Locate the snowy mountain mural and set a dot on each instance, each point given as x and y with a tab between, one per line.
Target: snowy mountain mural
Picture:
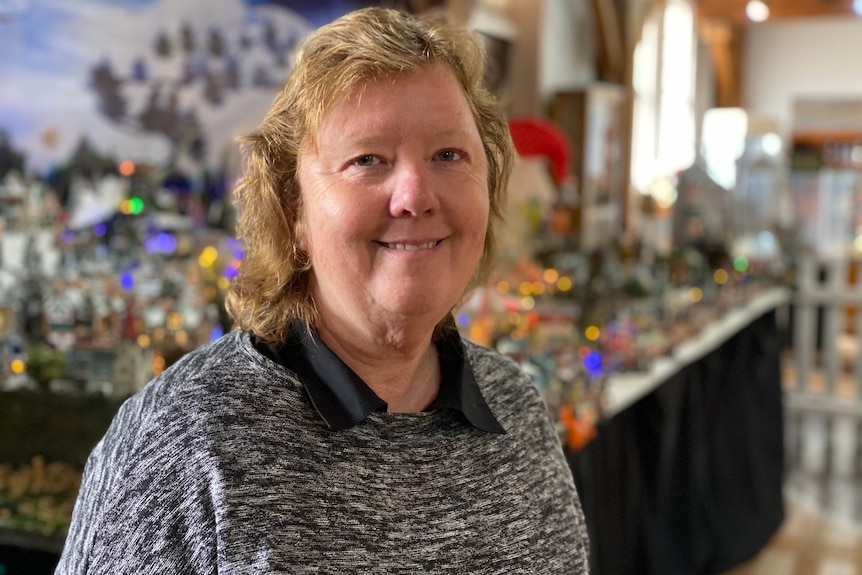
154	81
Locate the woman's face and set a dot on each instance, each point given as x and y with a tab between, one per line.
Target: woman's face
395	200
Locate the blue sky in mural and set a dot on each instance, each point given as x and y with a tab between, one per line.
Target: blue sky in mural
49	49
317	12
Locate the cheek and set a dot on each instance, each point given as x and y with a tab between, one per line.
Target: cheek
479	212
482	226
479	202
332	227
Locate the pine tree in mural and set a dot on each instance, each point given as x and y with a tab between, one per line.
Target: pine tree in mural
186	69
84	162
10	159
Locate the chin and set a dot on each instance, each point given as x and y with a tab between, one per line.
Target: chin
419	307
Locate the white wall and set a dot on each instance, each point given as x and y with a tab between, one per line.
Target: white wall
567	51
786	60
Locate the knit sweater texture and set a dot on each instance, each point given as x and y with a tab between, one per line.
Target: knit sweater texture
221	465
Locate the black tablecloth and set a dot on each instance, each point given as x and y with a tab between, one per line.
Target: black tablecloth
688	479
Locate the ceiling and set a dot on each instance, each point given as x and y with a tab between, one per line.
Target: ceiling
733	11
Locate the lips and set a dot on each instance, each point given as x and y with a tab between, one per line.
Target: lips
411	247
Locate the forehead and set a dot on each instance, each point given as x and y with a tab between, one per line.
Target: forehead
430	93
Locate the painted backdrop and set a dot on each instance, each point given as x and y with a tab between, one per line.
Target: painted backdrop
155	81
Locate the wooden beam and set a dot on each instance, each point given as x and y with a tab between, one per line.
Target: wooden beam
611	44
733	11
725	42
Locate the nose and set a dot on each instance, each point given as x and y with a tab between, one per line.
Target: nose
414	194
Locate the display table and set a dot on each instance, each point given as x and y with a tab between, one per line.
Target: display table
685	475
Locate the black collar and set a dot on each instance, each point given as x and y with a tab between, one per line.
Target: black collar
343	400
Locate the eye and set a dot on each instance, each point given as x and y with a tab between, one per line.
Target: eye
366	160
450	155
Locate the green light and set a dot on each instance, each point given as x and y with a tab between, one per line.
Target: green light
740	263
136	205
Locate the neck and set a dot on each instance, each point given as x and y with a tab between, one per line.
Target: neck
398	362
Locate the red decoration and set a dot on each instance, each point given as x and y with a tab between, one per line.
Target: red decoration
541	137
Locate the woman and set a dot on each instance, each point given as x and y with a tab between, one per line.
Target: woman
344	427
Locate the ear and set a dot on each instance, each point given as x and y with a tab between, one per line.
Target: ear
301	245
299	234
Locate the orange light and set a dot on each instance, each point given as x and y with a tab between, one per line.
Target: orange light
551	276
127	168
158	364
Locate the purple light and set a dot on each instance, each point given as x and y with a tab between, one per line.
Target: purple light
235	246
99	230
161	243
229	272
216	332
127	281
593	361
166	243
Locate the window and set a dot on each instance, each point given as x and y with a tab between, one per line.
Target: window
663	126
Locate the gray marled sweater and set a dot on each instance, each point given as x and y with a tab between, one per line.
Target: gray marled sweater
220	465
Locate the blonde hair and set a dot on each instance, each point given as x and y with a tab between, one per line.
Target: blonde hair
273	284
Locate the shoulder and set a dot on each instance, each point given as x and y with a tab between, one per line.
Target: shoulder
487	359
170	401
193	396
494	371
507	388
223	366
154	465
229	357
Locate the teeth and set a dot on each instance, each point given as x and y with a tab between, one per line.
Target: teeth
411	247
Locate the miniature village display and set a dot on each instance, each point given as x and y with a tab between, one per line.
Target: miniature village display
110	271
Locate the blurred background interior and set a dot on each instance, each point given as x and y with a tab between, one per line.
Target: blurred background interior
679	273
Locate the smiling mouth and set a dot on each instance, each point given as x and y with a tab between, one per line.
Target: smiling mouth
412	247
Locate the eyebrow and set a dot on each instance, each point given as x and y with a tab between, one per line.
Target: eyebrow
374	138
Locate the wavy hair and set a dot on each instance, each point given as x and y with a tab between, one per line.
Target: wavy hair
273	284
